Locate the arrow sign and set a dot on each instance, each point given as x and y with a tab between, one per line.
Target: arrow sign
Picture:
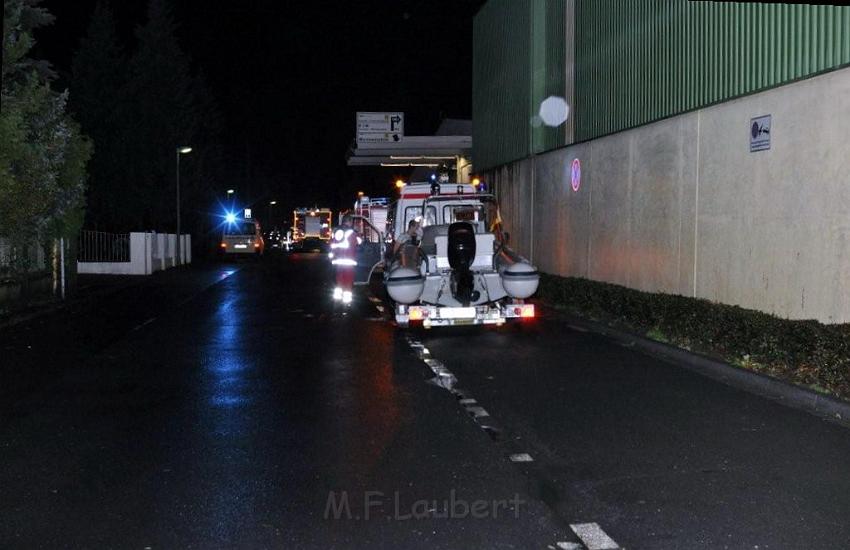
373	127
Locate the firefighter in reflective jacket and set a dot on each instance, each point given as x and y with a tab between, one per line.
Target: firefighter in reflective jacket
344	259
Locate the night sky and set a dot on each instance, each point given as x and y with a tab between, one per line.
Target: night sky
290	76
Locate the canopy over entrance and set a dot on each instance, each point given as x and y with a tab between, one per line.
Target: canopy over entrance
452	146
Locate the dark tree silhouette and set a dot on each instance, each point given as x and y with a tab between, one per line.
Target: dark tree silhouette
139	109
98	76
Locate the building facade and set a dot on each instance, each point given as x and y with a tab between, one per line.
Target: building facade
712	142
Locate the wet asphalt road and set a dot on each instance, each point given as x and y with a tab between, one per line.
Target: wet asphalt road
233	406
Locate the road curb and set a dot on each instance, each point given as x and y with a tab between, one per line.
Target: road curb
757	383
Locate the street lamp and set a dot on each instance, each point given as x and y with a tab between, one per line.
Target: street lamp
271	203
230	192
180	151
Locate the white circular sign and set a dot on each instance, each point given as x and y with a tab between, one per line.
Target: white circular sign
554	111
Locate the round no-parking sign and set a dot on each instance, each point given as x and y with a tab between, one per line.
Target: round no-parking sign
575	174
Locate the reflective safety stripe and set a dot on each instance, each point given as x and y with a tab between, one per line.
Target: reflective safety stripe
344	261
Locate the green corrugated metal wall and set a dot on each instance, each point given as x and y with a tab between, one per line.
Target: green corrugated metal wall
500	82
636	61
549	73
518	54
641	60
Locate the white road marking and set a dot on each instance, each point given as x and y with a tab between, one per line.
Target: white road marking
477	412
521	457
149	321
593	536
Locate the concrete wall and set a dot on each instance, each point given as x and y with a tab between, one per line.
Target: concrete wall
681	205
149	252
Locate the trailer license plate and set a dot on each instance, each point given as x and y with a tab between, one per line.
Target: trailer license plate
240	246
457	313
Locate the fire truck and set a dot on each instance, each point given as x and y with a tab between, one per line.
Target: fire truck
375	211
311	228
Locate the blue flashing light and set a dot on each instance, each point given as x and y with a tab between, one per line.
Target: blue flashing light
230	217
433	177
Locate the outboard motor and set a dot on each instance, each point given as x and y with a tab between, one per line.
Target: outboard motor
461	252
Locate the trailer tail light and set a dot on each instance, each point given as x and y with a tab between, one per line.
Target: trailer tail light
256	245
224	245
525	311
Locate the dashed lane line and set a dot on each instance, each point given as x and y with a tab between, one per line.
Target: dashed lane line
593	537
139	326
185	301
591	534
446	379
521	457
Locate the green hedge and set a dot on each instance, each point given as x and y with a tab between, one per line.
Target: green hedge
808	353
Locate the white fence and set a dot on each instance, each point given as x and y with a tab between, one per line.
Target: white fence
148	252
97	246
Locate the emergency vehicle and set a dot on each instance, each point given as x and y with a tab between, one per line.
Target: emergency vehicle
241	235
374	212
311	228
461	270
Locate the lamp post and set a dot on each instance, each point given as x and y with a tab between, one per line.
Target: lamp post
180	151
